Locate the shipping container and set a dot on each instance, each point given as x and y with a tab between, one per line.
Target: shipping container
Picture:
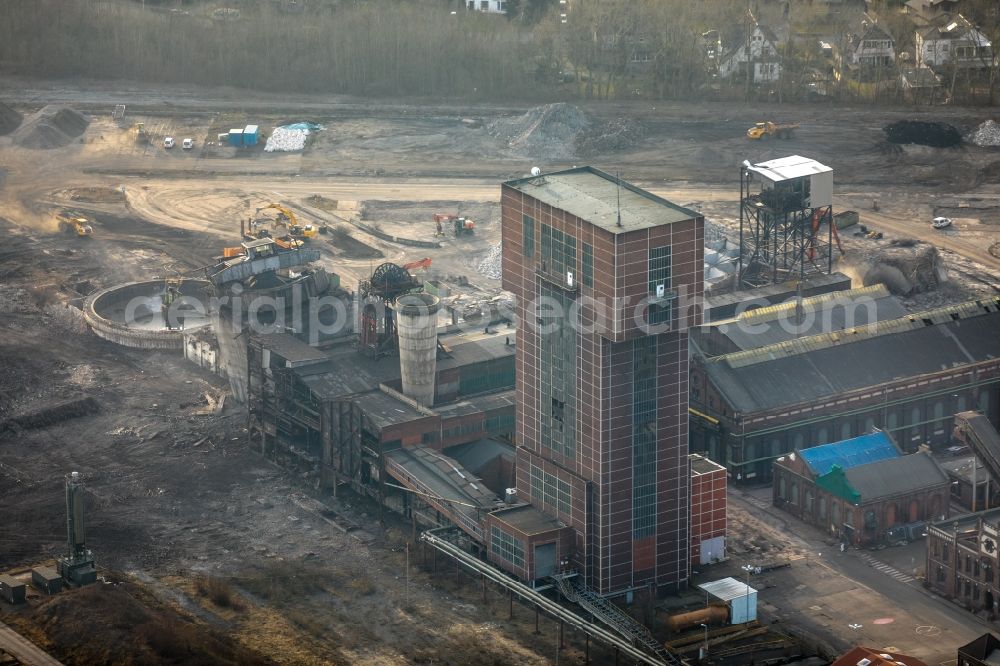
251	134
236	137
847	218
46	579
12	590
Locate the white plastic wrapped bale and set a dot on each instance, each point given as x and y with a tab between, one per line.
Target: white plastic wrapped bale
283	139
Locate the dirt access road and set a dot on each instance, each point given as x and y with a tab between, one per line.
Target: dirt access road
406	151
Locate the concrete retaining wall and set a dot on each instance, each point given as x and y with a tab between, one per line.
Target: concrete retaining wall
120	333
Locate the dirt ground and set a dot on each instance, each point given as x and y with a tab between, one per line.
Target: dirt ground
175	494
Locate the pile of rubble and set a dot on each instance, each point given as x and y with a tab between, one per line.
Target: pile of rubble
9	119
490	266
544	132
987	134
53	126
617	134
934	134
907	267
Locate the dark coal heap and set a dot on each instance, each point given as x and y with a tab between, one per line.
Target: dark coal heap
937	135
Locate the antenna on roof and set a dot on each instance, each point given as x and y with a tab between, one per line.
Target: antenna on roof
618	182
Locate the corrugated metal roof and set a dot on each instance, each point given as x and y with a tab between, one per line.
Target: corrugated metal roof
787	168
849	453
598	198
905	474
786	380
837	311
727	589
911	322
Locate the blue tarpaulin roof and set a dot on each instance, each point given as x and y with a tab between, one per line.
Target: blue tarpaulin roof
312	127
850	453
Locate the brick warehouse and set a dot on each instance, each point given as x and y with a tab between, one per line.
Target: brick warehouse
603	406
861	490
963	560
905	375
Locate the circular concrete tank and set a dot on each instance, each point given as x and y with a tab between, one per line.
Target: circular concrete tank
132	315
416	322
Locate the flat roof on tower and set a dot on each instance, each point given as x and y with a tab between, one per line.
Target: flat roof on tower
787	168
598	197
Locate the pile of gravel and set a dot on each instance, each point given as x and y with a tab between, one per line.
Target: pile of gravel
934	134
52	127
617	134
9	119
544	132
987	134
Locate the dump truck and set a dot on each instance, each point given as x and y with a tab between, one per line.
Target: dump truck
768	129
72	222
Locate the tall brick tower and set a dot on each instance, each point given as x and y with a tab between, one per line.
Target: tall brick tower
608	279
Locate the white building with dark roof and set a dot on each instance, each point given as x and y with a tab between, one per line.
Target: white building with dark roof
953	41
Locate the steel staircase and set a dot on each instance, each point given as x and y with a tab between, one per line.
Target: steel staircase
603	610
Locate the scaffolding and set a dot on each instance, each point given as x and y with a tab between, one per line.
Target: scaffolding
784	205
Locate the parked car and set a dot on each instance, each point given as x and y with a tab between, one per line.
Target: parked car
941	222
168	142
187	144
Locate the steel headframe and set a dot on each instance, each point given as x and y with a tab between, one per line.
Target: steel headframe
779	239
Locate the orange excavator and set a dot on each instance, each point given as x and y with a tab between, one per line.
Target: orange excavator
421	263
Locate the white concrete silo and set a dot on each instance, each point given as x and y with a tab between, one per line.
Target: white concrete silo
416	323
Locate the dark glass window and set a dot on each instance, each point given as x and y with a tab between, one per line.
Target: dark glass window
644	437
528	235
588	265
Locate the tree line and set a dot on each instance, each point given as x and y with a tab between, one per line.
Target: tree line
436	48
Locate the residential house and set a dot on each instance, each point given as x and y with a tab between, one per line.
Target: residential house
952	41
924	12
755	51
871	46
862	489
491	6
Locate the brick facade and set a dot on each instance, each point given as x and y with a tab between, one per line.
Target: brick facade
581	432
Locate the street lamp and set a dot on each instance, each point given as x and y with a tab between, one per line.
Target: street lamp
704	652
748	568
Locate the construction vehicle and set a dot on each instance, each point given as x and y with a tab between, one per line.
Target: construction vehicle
767	130
464	225
141	135
286	218
74	222
420	263
460	225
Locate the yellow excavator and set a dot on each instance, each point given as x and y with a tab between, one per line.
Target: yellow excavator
767	129
73	222
286	218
